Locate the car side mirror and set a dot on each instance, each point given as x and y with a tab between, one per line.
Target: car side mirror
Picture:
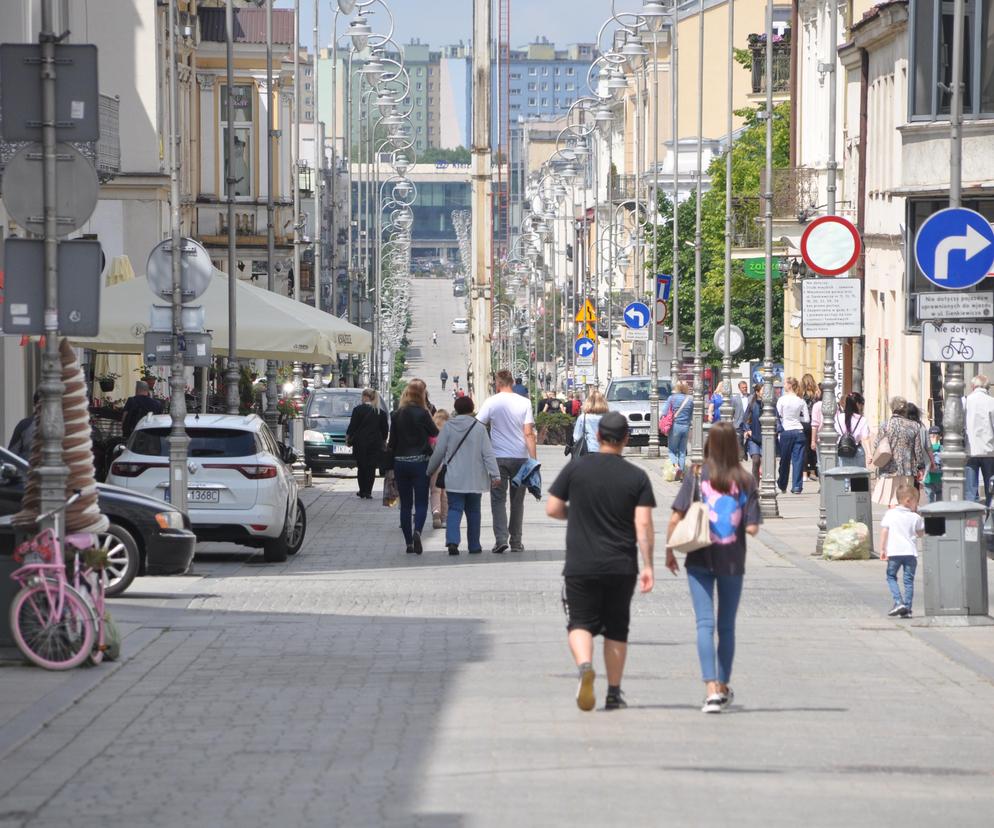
8	472
118	449
289	455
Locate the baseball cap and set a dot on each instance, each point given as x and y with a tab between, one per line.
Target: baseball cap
935	430
613	426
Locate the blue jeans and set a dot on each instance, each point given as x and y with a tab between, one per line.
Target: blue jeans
792	453
412	486
977	469
715	666
468	502
910	564
677	444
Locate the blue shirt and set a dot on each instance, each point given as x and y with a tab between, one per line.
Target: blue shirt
587	424
673	404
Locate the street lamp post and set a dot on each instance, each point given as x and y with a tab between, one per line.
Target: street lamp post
272	391
767	486
726	356
231	374
697	427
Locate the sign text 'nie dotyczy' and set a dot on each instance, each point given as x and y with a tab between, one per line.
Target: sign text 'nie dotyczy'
958	341
831	308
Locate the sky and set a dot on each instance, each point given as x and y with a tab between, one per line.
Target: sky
440	22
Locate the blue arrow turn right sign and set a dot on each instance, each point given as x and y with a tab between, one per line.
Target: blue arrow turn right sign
954	248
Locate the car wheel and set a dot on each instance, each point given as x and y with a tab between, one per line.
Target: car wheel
275	550
123	558
296	536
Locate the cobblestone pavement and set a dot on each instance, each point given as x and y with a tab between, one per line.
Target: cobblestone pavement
359	686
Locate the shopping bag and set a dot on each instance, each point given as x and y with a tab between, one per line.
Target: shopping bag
390	493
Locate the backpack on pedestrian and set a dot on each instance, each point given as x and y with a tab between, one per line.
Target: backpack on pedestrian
847	446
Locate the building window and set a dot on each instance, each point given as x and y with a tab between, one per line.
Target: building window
531	102
307	87
545	70
417	101
545	101
431	100
241	166
532	87
515	107
532	70
569	70
515	90
419	86
515	76
420	70
931	59
557	70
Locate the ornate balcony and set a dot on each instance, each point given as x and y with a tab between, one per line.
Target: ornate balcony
781	63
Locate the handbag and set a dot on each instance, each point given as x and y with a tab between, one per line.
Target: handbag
580	447
440	477
693	532
666	421
882	454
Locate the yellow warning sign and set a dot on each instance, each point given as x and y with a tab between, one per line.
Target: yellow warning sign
587	313
589	332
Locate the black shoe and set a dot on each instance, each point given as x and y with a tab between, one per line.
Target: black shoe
896	610
500	548
517	548
410	549
615	701
453	549
418	548
905	612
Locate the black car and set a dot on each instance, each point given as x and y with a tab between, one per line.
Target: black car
326	419
147	536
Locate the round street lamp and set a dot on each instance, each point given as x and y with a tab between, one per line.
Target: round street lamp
633	49
359	31
654	14
346	7
617	84
400	163
603	118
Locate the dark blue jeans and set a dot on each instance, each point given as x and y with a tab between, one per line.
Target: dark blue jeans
715	666
468	502
412	486
792	452
910	564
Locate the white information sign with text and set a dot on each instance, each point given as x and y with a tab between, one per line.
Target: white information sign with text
831	308
956	305
958	341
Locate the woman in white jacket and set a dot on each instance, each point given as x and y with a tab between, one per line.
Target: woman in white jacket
470	471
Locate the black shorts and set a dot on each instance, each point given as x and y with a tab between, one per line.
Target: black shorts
600	604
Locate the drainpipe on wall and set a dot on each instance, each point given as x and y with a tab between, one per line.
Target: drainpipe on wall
858	344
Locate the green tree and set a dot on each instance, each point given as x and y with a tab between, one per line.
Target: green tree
748	306
433	155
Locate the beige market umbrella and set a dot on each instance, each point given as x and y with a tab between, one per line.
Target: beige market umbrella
126	367
270	326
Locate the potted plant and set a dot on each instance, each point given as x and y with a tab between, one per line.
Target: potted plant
146	375
107	381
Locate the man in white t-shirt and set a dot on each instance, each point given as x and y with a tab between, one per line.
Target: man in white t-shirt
512	432
899	532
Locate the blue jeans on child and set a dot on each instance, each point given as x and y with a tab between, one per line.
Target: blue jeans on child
468	502
910	564
715	666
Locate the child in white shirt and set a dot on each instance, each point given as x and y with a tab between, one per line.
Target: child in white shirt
899	533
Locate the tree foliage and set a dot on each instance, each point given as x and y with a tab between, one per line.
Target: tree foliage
748	296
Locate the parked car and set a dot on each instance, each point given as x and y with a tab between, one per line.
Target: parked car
240	488
630	396
460	325
326	419
147	536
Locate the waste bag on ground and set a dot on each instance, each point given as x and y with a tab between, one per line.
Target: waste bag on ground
848	542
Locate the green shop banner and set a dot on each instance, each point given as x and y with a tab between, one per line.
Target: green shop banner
756	268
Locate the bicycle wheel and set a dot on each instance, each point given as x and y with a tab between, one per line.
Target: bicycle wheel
967	352
53	642
947	352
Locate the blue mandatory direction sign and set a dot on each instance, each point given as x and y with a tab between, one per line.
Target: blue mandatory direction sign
584	346
954	248
637	315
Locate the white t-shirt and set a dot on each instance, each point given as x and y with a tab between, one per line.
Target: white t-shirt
507	414
902	527
793	412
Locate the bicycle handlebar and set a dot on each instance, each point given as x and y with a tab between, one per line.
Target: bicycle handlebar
76	495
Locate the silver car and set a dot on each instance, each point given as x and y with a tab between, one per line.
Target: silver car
630	396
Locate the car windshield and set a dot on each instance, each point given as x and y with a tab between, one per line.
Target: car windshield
204	442
333	405
628	390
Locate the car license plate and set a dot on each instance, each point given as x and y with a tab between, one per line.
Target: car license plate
342	449
203	496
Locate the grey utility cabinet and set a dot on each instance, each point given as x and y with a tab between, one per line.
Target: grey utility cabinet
955	561
847	497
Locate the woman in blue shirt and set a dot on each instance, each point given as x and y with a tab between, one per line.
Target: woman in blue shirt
594	407
682	406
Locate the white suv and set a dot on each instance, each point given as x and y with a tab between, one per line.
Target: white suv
240	488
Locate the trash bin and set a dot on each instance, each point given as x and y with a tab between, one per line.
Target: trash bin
8	588
955	561
847	497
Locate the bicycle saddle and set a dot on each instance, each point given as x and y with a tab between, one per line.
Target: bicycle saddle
81	541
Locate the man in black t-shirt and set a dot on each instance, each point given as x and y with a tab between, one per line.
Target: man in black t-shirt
608	519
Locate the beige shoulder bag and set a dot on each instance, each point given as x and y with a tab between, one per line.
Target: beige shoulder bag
693	532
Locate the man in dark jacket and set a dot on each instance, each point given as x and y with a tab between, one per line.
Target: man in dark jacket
137	407
24	433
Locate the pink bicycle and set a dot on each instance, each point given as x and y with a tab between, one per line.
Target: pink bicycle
56	623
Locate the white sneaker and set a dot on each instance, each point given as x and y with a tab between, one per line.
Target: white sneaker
712	704
727	699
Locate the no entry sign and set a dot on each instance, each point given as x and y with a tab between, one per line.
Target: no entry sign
830	245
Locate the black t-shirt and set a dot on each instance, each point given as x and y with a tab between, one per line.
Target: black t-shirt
602	491
729	514
135	410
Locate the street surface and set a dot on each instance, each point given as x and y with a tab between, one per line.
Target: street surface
359	686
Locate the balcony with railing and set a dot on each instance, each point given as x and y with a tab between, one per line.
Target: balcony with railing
104	153
795	192
622	188
747	227
781	65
